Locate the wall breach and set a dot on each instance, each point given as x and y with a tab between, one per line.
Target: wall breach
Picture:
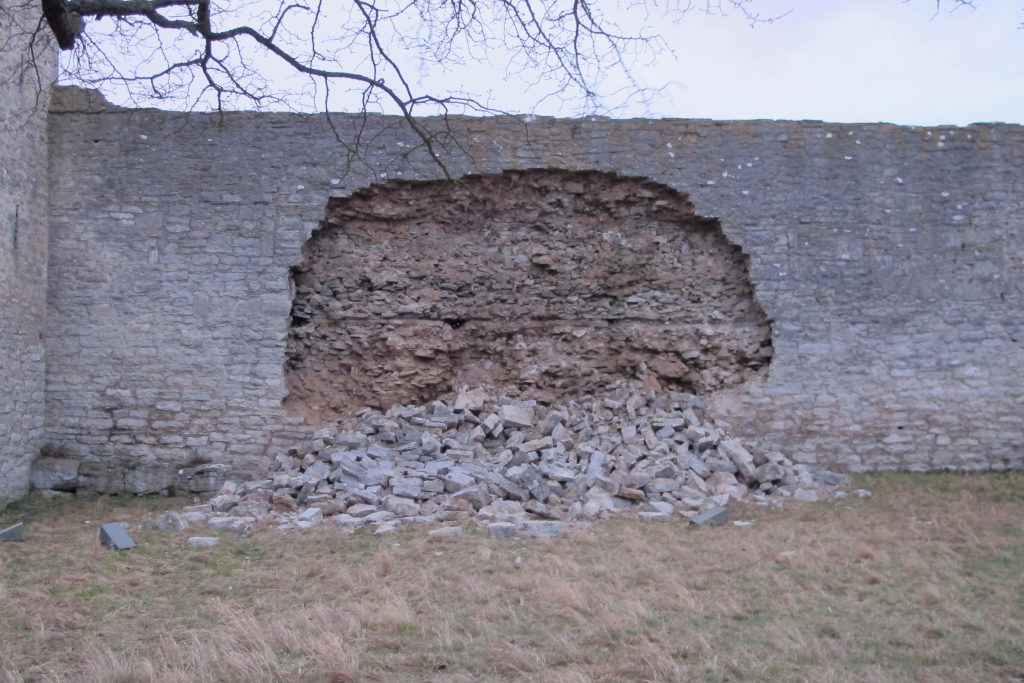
547	283
889	260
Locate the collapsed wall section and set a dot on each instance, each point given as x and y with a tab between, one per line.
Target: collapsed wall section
889	259
23	253
544	282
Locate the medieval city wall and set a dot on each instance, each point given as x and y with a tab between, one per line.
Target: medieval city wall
888	261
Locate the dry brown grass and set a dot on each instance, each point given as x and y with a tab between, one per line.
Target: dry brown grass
923	582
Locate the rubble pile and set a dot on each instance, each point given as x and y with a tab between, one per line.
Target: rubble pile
514	465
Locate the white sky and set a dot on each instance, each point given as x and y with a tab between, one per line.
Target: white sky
896	61
859	60
845	60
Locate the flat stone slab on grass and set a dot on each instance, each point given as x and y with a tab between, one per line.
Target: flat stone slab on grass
202	541
15	532
545	528
716	516
113	535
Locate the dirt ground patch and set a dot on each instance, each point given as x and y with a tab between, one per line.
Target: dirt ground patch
922	582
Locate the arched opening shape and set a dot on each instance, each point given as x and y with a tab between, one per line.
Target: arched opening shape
541	283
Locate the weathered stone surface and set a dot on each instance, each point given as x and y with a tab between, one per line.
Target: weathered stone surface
114	536
516	416
202	541
213	237
805	496
496	479
501	530
445	533
654	516
59	474
311	516
24	216
403	507
172	521
545	528
769	472
15	532
714	516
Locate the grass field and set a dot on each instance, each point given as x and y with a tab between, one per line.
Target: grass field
922	582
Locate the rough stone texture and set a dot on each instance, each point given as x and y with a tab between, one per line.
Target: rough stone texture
889	260
23	241
548	282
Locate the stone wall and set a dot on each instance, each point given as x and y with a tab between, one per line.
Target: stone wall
888	259
23	236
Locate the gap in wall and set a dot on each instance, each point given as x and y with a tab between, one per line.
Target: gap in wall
544	283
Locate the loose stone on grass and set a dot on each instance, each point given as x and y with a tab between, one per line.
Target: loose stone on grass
515	466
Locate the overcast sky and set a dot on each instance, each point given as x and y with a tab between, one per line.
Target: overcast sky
898	61
862	60
845	60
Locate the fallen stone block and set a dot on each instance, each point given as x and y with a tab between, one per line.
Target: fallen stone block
543	528
171	521
445	533
402	507
15	532
654	517
202	541
517	416
113	535
311	516
501	530
715	516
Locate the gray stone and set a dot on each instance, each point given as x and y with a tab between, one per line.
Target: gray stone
501	530
172	521
457	479
407	487
545	528
714	516
661	485
114	536
596	463
15	532
220	523
224	503
471	400
361	510
346	520
533	480
503	511
536	444
318	471
205	478
654	517
312	516
805	496
402	507
769	472
477	496
658	506
445	533
60	474
517	416
202	541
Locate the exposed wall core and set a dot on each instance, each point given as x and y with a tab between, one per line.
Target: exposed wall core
547	282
